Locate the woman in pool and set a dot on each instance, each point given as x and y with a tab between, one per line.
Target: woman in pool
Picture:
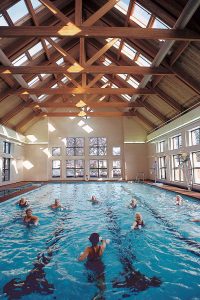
133	203
94	200
29	219
22	202
179	200
56	204
138	223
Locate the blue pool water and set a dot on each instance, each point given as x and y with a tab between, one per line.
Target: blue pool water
160	261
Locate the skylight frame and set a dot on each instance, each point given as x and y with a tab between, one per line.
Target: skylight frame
22	10
136	16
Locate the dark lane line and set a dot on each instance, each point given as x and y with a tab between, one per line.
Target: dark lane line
36	281
169	226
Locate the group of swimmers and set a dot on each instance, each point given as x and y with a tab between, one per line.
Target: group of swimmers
29	219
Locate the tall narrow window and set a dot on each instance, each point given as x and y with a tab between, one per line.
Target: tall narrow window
196	166
195	136
75	146
98	168
75	168
98	146
6	147
56	171
6	169
176	142
160	146
117	172
177	171
116	151
162	167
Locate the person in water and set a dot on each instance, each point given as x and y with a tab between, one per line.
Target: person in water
94	263
29	219
56	204
23	202
179	200
138	223
133	203
195	220
94	200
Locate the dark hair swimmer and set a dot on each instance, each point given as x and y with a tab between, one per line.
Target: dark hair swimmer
94	252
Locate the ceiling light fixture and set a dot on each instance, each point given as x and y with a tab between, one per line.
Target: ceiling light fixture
80	104
81	114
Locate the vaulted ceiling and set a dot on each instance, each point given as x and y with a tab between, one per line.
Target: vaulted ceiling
139	59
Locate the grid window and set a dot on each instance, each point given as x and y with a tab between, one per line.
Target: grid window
6	169
176	142
75	168
56	171
98	168
117	171
195	136
177	171
160	146
98	146
6	147
116	151
56	151
140	15
196	166
75	146
162	167
17	11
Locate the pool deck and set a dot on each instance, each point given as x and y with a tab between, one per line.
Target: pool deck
175	189
12	186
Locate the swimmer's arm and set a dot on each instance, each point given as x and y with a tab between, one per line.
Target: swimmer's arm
103	246
84	255
134	225
35	220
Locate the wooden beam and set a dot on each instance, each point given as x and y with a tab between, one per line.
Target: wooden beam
91	114
144	120
153	110
26	120
88	91
170	101
78	12
177	53
92	104
187	79
13	112
111	69
99	31
100	12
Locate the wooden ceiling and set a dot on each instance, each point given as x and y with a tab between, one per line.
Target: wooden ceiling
94	52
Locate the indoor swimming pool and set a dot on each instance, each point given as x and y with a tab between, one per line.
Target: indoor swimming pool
159	261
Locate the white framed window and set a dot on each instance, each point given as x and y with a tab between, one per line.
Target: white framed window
20	60
143	61
177	171
35	49
140	15
122	6
162	167
56	151
75	146
128	51
18	11
98	146
196	167
56	168
98	168
116	150
160	146
195	137
116	171
75	168
176	142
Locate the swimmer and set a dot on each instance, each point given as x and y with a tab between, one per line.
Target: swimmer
133	203
94	200
179	200
29	219
22	202
94	252
138	223
195	220
56	204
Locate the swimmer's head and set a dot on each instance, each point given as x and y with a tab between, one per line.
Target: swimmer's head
93	197
94	238
57	201
138	216
22	200
29	211
178	199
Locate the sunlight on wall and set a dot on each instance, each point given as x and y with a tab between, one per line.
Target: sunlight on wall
51	128
32	138
5	131
47	152
14	163
28	165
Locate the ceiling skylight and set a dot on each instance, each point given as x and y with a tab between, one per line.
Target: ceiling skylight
3	21
128	51
127	97
122	5
54	86
107	61
140	15
33	81
36	3
143	61
133	82
116	44
35	49
104	79
64	79
60	61
42	97
20	60
159	24
17	11
123	76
